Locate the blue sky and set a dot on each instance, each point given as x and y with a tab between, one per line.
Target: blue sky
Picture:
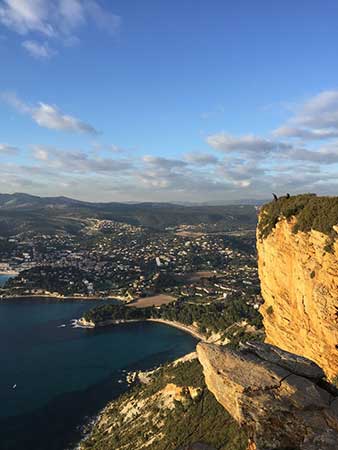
168	101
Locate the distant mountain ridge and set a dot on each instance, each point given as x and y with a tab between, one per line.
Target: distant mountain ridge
20	199
22	212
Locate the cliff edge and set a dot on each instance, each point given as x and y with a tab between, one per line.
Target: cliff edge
280	399
298	269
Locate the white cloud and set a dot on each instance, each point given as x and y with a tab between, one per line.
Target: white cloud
75	161
41	153
58	20
250	167
315	119
200	159
241	173
161	163
306	134
116	149
320	111
39	51
248	144
24	16
49	116
325	155
6	149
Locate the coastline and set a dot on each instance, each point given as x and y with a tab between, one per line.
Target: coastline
190	330
9	273
180	326
55	297
137	377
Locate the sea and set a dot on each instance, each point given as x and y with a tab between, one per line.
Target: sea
54	378
4	278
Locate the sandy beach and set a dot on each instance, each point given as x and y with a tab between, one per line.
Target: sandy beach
180	326
9	273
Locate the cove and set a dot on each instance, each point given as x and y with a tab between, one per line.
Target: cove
54	378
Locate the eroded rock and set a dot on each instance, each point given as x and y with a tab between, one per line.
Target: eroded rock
278	397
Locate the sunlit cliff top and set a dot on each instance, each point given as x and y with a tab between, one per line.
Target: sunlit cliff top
312	213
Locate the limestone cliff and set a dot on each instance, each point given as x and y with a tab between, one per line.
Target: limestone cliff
299	282
280	399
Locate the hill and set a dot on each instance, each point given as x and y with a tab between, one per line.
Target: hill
27	213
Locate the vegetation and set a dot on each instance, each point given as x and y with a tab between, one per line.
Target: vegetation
66	281
168	426
335	381
269	310
28	213
311	212
117	312
215	317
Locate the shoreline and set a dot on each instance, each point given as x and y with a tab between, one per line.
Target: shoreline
55	297
9	273
180	326
94	420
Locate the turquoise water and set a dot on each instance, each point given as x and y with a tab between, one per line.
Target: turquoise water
3	279
63	375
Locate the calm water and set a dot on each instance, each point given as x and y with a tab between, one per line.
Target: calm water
64	375
3	279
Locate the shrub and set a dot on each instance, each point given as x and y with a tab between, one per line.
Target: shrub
311	212
335	381
269	310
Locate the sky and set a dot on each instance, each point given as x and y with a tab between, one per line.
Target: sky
199	101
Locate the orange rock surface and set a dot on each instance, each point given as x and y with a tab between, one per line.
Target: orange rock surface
299	282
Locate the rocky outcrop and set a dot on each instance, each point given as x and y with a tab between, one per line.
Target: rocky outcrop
173	410
279	398
299	283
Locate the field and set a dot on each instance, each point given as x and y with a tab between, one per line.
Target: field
155	300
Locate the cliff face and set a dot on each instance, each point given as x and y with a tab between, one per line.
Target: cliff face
279	398
299	282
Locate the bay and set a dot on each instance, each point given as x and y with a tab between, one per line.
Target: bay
4	278
54	378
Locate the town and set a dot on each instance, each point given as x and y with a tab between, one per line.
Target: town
110	259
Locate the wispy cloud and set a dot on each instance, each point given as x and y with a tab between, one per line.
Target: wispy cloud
160	163
6	149
39	50
230	166
76	161
48	116
59	20
200	159
315	119
248	144
305	134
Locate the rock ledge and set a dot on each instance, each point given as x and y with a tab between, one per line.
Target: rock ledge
281	399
